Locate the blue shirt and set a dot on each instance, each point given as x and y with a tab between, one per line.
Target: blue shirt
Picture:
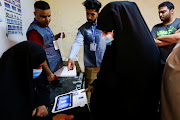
85	34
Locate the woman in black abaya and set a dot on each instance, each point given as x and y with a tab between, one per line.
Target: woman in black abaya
18	88
16	75
128	84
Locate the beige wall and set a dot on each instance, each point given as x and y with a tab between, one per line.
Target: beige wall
69	15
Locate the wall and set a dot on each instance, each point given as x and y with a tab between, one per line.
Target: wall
149	10
69	15
27	17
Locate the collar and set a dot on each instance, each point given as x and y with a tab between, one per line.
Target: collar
170	22
92	25
35	21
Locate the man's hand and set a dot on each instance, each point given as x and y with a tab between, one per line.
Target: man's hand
63	117
178	31
52	77
90	88
70	64
59	34
173	38
41	111
160	43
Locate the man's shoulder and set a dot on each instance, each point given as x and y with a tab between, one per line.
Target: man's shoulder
178	20
158	25
84	26
33	26
37	27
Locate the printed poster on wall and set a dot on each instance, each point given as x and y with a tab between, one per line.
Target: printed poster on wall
13	18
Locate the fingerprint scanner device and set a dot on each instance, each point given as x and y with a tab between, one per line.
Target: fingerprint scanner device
70	100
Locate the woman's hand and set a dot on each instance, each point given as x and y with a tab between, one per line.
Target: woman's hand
90	88
42	111
63	117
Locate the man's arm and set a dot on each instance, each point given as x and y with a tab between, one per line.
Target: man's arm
165	40
33	35
75	49
58	35
50	75
173	38
161	43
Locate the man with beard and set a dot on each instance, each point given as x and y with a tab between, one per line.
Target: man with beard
94	46
167	33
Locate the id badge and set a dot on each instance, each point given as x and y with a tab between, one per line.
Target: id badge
56	46
93	46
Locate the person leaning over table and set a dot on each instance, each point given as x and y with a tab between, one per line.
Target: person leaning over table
21	65
94	46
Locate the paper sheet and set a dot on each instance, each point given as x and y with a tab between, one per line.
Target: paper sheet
63	72
56	46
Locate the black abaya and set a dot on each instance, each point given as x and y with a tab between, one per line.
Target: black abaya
16	76
128	84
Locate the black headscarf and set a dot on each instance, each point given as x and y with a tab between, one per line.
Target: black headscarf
16	76
128	82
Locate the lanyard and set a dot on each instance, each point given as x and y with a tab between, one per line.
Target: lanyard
50	32
93	32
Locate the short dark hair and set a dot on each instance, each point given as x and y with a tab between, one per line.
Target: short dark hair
168	4
41	5
92	4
